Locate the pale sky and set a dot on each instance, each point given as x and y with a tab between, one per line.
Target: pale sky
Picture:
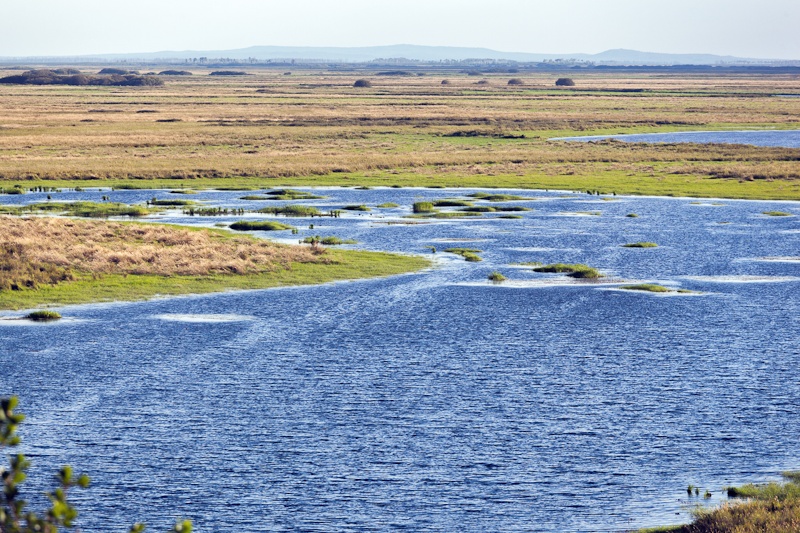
745	28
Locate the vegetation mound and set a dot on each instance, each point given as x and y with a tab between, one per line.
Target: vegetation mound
395	73
292	211
469	254
43	316
565	82
776	214
423	207
645	287
261	225
362	83
119	71
327	241
496	197
640	245
174	73
283	194
516	81
497	277
580	271
51	77
80	209
356	208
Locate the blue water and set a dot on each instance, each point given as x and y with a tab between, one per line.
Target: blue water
434	401
781	138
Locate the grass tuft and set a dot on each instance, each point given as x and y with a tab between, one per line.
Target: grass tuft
640	245
262	225
578	270
43	316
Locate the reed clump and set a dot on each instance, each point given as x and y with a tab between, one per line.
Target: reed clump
576	270
43	316
643	244
260	225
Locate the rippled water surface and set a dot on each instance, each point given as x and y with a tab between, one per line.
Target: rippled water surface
784	138
437	400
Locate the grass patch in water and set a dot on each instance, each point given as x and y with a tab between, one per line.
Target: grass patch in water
292	211
387	205
576	270
469	254
452	203
777	214
646	287
356	208
261	225
640	245
497	277
171	203
43	316
81	209
510	216
631	215
423	207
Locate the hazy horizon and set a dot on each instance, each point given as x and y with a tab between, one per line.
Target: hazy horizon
84	27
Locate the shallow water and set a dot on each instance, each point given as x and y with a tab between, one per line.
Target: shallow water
434	401
781	138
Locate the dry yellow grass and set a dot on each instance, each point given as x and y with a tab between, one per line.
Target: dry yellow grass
35	251
315	123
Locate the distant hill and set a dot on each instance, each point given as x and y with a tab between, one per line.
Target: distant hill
419	53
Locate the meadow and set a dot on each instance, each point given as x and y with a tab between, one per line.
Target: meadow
314	128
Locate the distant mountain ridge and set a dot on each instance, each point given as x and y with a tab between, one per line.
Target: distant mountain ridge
423	53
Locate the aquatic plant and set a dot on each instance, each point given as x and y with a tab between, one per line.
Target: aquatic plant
327	241
170	203
452	203
578	270
496	277
387	205
646	287
776	214
632	215
356	208
423	207
497	197
292	211
469	254
261	225
640	245
43	316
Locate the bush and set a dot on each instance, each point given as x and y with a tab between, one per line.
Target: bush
579	271
174	73
43	316
263	225
516	81
228	73
362	83
445	82
119	71
565	82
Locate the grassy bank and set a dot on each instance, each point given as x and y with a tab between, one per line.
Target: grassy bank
344	265
771	507
49	261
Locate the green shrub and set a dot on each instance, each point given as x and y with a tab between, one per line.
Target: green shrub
292	211
497	277
387	205
565	82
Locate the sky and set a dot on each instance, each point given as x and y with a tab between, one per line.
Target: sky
744	28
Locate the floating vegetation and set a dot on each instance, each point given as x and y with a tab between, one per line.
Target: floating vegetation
479	209
497	197
262	225
387	205
510	216
528	263
170	203
256	197
777	214
43	316
469	254
632	215
182	191
423	207
452	203
213	211
652	287
291	194
497	277
640	245
448	214
579	270
356	208
327	241
292	211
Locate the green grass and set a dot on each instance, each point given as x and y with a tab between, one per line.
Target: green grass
356	208
387	205
423	207
171	203
640	245
497	197
452	203
497	277
646	287
327	241
578	270
292	211
776	214
43	316
344	265
469	254
261	225
291	194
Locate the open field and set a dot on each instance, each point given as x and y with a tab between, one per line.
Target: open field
48	261
315	128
